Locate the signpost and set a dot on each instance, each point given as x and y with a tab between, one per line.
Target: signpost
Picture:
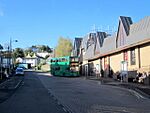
124	71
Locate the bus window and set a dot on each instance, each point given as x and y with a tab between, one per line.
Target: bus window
60	60
63	59
66	60
76	59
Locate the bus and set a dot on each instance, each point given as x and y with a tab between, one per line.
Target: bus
64	66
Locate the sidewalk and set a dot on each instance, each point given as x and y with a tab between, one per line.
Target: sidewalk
140	88
9	86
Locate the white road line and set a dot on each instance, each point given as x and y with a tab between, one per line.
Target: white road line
137	94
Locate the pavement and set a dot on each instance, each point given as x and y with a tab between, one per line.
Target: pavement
8	86
142	89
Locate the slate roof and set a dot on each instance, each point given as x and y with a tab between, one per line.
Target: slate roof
84	42
77	42
90	52
139	31
109	44
88	40
89	45
126	21
100	36
136	32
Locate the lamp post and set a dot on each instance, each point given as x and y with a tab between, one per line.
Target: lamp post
10	51
1	60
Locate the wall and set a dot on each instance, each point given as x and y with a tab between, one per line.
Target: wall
94	67
145	57
137	62
85	62
115	62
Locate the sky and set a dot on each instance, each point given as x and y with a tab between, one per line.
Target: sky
42	22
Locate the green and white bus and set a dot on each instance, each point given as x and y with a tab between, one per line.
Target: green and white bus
64	66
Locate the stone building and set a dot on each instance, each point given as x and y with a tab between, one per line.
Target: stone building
128	50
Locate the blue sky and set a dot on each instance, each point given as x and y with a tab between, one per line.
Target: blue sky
34	22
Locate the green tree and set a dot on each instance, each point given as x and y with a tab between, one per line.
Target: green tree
18	52
38	48
1	47
44	48
63	47
28	51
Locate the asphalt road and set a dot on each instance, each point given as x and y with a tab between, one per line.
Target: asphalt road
80	95
31	97
42	93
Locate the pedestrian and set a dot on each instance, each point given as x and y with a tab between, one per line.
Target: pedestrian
141	79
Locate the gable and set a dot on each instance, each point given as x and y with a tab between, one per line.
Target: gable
99	41
123	30
77	43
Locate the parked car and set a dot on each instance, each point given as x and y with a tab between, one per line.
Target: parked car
19	71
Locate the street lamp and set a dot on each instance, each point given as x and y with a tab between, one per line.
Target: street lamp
1	47
11	41
10	59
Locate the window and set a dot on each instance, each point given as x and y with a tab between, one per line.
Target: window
60	60
125	56
76	59
133	57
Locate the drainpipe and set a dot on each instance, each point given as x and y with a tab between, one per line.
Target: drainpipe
139	58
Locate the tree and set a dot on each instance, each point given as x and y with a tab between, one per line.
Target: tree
18	52
63	47
1	47
38	48
48	49
44	48
28	51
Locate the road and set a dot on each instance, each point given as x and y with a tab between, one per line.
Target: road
41	93
31	97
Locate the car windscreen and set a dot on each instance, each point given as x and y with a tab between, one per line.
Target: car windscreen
19	70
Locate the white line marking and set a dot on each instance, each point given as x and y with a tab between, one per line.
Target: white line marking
137	94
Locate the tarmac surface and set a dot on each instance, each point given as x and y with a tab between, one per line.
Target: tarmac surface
26	94
82	95
11	86
8	86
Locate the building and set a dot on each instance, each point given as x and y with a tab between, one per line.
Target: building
127	50
32	61
37	58
76	47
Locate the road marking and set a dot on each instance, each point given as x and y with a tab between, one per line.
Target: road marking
137	94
